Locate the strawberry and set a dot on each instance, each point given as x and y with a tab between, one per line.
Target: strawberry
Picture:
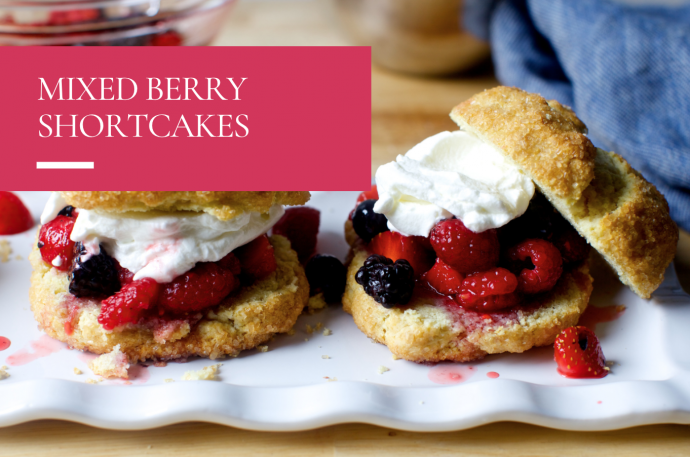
578	354
300	225
414	249
14	216
55	244
443	278
257	259
129	304
372	194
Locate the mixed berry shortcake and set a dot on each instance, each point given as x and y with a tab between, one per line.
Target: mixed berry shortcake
166	275
478	241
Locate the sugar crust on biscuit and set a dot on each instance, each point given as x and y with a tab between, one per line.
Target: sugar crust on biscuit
612	206
223	205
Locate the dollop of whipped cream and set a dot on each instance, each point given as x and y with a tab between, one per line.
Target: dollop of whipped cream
54	205
451	174
164	245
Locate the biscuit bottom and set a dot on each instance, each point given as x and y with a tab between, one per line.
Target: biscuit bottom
432	329
242	321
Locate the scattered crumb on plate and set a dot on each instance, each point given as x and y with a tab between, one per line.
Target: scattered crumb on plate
168	380
263	348
327	332
205	374
331	379
316	303
77	371
94	381
18	257
325	357
394	357
309	329
111	365
3	373
291	331
5	251
383	369
318	327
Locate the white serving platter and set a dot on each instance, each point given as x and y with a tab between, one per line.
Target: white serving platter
292	387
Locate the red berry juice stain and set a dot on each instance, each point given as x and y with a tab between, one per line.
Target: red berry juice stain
4	343
594	315
450	374
42	347
86	357
492	374
599	402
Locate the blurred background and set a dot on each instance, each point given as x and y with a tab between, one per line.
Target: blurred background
623	65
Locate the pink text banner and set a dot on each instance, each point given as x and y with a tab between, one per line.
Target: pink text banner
187	118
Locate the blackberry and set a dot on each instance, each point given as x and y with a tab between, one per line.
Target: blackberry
97	277
367	223
389	283
541	220
66	211
326	274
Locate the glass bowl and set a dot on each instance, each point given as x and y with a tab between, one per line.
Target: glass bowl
111	22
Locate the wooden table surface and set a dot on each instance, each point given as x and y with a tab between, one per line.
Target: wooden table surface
404	111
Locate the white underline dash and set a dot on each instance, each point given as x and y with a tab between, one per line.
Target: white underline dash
65	165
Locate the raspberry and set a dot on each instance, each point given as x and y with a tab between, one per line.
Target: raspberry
326	274
578	354
544	270
124	274
372	194
488	291
98	276
129	304
366	222
169	38
257	259
55	244
443	278
415	249
14	215
571	245
386	282
464	250
205	285
301	226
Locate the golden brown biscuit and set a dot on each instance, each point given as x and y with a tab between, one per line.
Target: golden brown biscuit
223	205
429	331
242	321
620	214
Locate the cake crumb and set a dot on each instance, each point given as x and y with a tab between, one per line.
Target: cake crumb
291	331
77	371
395	357
372	340
263	348
331	379
206	374
327	332
383	369
18	257
318	327
309	329
306	339
111	365
316	303
325	357
3	373
168	380
94	381
5	251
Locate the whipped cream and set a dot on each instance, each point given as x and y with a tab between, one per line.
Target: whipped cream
451	174
164	245
55	204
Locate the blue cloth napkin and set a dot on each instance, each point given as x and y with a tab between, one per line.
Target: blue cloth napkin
625	70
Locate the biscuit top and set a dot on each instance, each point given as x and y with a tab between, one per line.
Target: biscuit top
223	205
532	133
624	217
